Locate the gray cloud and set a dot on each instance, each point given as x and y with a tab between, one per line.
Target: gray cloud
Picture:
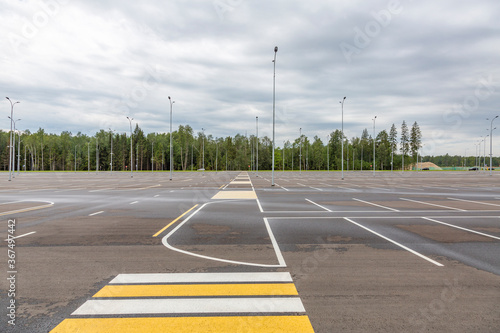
84	66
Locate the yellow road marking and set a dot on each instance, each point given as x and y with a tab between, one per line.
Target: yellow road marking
177	219
27	209
267	324
222	186
269	289
235	195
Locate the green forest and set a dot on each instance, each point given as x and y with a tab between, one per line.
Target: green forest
109	151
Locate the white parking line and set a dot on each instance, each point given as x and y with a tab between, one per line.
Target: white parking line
328	210
374	204
478	202
29	233
430	204
395	243
347	188
457	227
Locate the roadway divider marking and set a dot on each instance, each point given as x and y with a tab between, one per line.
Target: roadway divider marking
177	219
50	204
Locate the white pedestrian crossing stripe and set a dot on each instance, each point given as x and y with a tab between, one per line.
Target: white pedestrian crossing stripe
193	302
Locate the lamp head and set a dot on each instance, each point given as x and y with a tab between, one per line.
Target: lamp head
275	49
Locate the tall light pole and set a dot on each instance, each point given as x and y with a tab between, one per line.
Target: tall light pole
300	151
131	149
14	149
257	145
374	139
328	152
484	153
203	158
171	162
491	143
19	152
342	138
274	107
111	131
283	156
88	157
96	154
10	142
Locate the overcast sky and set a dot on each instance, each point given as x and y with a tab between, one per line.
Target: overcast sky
82	66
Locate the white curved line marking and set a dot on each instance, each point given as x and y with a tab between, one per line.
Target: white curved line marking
273	240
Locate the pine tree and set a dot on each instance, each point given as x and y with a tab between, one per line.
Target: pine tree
415	139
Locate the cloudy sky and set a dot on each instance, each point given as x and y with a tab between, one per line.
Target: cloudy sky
86	65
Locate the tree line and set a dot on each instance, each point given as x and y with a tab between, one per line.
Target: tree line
107	150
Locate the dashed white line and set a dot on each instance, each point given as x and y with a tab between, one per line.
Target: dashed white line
134	202
96	213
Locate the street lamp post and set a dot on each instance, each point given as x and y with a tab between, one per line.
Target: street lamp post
171	162
10	142
342	138
484	153
274	107
328	152
88	157
374	145
131	149
203	158
283	159
111	164
14	150
300	151
491	143
96	154
257	146
19	152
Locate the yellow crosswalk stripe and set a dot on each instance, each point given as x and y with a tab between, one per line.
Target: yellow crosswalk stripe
267	324
268	289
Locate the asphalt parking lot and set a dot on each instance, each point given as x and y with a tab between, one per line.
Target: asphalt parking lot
383	252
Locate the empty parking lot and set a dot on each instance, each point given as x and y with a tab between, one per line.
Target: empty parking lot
389	251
